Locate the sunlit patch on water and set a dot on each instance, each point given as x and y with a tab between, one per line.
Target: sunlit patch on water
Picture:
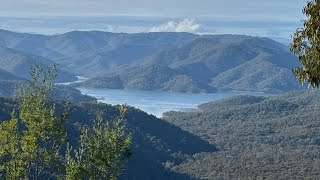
158	102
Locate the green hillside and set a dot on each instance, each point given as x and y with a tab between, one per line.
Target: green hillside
259	138
10	88
223	62
5	75
152	149
149	77
182	61
93	52
19	64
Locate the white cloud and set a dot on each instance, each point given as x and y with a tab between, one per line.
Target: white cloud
185	25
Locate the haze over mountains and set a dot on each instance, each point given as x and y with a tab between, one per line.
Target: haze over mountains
155	61
19	63
241	137
204	90
9	83
5	75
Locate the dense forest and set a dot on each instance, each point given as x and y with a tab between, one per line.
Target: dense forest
242	137
257	137
153	153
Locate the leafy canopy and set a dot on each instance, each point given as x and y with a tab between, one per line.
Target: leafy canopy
102	151
32	142
306	44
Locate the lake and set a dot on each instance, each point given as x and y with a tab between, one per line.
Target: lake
157	102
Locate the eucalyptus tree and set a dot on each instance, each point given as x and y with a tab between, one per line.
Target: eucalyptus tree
33	142
306	44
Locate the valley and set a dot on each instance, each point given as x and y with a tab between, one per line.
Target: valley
159	90
179	62
225	101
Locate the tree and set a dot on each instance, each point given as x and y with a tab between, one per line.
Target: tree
306	44
102	152
32	142
37	136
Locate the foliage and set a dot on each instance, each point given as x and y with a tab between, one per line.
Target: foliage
41	135
102	151
32	145
153	152
11	162
306	44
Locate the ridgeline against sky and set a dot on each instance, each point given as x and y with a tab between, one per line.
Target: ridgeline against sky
251	17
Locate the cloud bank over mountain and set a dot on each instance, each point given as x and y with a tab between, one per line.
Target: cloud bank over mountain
185	25
250	17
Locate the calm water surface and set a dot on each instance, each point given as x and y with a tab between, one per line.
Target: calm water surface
157	102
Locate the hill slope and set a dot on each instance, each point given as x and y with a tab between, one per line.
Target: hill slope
225	62
93	52
121	49
260	138
153	150
182	61
9	83
149	77
5	75
19	64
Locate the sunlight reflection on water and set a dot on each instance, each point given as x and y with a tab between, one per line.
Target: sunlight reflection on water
157	102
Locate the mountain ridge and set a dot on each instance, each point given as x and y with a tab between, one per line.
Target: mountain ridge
182	61
19	64
214	64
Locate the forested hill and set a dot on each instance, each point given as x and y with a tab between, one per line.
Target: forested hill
225	62
5	75
19	63
154	152
9	83
259	138
77	42
10	88
156	61
93	52
243	137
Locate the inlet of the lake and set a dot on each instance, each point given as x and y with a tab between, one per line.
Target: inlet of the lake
157	102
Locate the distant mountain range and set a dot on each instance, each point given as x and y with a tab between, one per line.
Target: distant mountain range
155	61
5	75
19	64
9	83
208	63
93	52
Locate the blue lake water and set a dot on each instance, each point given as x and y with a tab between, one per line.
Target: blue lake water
157	102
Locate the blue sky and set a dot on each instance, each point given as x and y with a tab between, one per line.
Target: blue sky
278	18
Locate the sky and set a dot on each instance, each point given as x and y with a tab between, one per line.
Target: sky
271	18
